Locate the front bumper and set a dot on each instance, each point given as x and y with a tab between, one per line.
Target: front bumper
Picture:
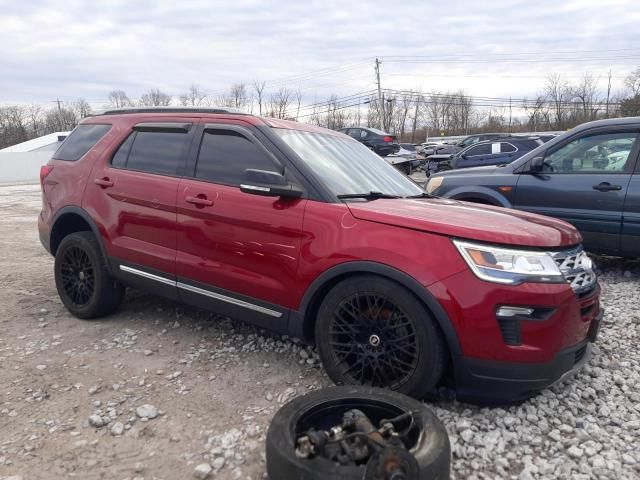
488	381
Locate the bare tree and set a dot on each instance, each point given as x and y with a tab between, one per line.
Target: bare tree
279	103
298	97
259	88
82	108
118	99
60	119
584	96
194	97
557	93
632	82
155	98
238	95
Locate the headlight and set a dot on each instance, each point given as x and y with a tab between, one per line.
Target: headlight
504	265
434	183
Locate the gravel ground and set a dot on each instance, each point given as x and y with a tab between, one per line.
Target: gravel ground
162	391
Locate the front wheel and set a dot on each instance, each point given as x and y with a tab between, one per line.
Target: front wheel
371	331
83	282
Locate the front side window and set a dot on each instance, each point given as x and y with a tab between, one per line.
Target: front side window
598	153
225	155
345	166
158	152
80	141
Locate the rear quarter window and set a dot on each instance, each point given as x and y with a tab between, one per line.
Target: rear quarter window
80	141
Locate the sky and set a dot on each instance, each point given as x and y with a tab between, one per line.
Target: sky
71	49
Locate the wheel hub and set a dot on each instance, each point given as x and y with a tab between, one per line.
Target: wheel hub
374	340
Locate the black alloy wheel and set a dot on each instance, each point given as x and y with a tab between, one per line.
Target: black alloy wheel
373	341
372	331
78	276
82	277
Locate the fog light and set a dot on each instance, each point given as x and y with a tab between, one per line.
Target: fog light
514	311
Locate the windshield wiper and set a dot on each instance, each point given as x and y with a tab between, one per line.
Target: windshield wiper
368	195
421	195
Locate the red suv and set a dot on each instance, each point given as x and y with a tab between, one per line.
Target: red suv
305	231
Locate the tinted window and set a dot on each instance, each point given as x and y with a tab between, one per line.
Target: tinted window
507	147
80	141
484	149
603	153
354	132
225	155
155	152
120	158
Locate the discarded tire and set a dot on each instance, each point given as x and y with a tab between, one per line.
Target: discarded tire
301	444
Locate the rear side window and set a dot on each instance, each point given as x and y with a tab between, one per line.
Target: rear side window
158	152
80	142
484	149
225	155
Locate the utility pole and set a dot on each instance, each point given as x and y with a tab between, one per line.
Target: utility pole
380	98
608	94
58	101
415	121
509	114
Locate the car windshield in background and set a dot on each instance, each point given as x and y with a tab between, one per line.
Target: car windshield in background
346	166
408	146
376	131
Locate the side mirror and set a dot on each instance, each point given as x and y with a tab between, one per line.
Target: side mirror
269	184
536	165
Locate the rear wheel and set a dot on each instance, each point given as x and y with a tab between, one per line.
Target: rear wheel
371	331
83	282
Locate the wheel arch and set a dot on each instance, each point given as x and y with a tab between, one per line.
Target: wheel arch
71	219
302	322
481	195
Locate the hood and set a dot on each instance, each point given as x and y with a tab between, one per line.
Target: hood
471	221
484	170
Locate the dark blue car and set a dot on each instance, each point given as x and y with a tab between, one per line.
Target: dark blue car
495	152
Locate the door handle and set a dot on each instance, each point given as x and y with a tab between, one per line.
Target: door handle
104	182
199	201
606	187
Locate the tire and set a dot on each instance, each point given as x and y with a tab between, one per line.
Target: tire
432	450
83	282
392	342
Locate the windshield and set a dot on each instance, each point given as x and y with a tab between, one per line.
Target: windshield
346	166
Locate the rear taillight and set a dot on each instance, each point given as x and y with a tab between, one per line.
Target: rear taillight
388	139
44	171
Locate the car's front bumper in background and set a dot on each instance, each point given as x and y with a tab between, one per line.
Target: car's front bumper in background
488	381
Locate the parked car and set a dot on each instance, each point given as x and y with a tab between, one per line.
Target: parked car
448	149
589	176
504	150
380	142
406	159
304	231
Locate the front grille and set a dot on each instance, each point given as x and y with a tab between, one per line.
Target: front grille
577	269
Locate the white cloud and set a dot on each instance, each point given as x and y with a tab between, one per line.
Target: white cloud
86	49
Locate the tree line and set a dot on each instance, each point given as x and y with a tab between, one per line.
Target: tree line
411	115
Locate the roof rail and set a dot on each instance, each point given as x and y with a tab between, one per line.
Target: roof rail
123	110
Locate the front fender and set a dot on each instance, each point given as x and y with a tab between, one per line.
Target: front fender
478	193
